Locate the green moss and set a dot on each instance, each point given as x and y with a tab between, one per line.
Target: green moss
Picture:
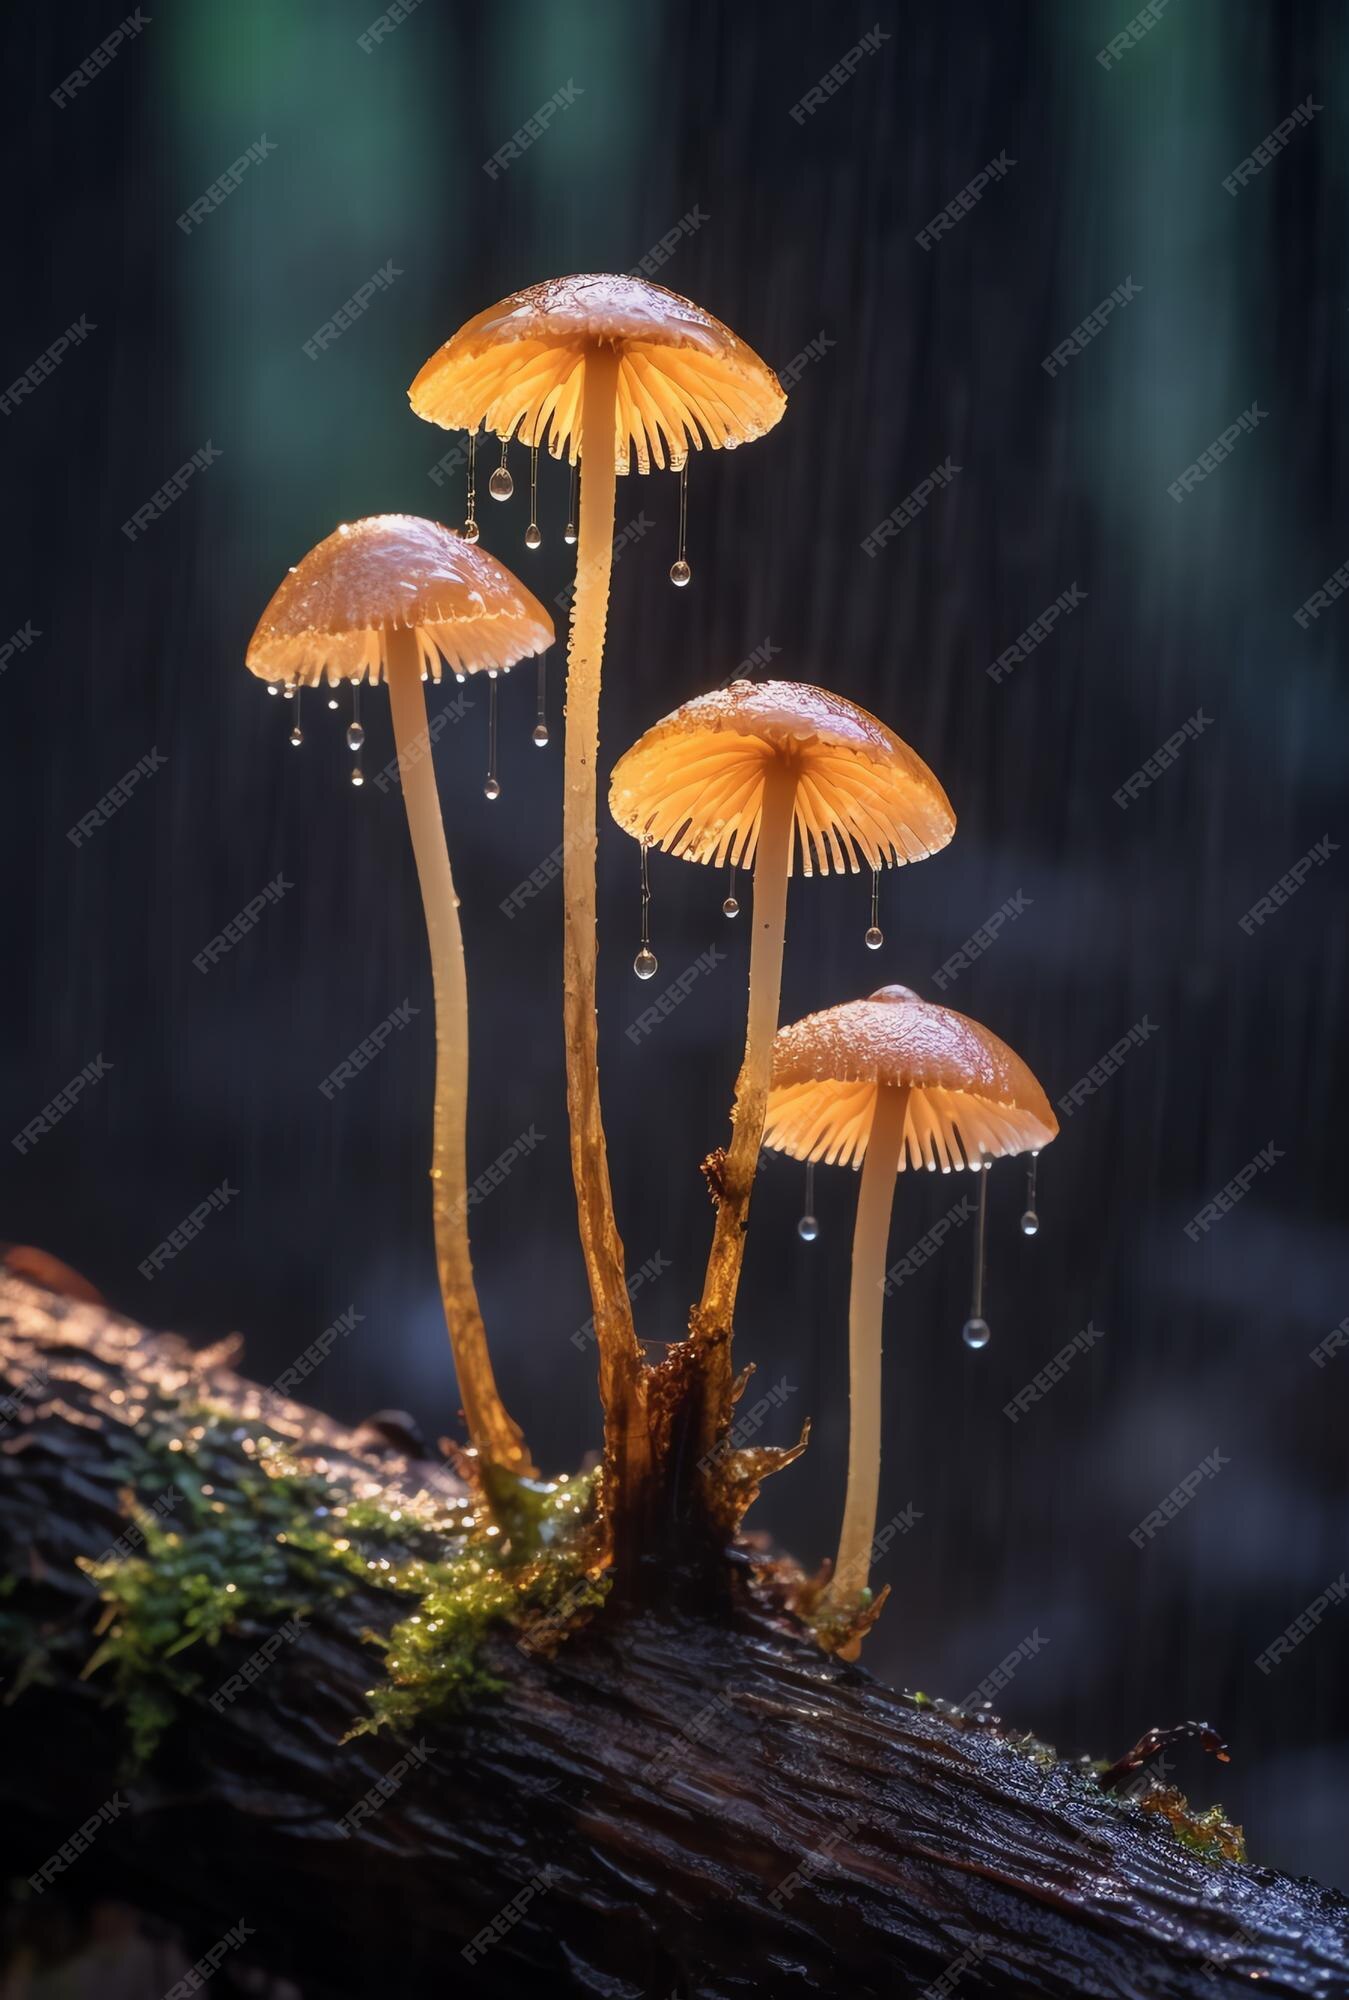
234	1536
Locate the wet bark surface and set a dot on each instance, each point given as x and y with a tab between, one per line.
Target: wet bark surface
671	1805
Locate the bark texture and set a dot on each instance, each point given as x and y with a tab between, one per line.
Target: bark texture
692	1805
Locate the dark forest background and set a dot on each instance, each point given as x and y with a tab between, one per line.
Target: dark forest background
799	233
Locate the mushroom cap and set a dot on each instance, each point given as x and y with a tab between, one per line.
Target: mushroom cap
684	379
330	612
968	1092
694	784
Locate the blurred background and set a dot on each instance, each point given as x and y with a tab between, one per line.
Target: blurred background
703	146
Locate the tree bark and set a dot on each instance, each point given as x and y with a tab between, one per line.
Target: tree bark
676	1805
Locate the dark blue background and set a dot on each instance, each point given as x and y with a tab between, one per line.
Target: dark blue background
810	229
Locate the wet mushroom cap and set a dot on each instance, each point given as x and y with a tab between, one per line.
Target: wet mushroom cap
330	612
693	784
969	1093
684	379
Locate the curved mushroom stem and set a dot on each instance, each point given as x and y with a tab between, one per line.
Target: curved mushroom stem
771	862
620	1358
490	1428
866	1303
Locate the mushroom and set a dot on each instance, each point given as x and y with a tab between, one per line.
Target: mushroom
645	375
887	1083
741	775
390	598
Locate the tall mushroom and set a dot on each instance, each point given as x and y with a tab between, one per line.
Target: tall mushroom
887	1083
739	776
611	370
391	597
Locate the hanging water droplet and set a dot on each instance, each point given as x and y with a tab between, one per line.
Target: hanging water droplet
533	539
355	735
540	734
289	690
644	965
808	1227
470	530
492	789
1030	1221
875	937
975	1333
680	574
731	907
273	687
501	485
297	736
569	534
357	775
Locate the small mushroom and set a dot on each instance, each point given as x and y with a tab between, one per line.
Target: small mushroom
883	1084
614	371
741	776
391	598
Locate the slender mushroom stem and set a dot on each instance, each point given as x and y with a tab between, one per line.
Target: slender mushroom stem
771	862
866	1303
620	1358
490	1427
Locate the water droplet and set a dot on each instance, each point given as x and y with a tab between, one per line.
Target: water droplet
470	531
874	939
975	1333
1030	1223
501	485
541	733
533	539
332	701
731	907
273	687
492	789
357	775
458	676
355	735
644	965
808	1228
569	534
680	573
297	736
289	690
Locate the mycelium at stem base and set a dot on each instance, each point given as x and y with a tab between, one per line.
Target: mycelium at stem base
866	1303
490	1427
620	1357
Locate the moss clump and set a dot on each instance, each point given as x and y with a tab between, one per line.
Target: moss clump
234	1536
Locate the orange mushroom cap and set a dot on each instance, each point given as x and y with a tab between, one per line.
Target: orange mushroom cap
330	613
969	1094
693	784
683	377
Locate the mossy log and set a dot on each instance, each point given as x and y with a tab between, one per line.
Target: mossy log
665	1803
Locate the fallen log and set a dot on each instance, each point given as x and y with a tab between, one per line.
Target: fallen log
659	1802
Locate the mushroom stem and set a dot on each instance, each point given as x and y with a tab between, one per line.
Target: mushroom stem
490	1427
771	862
866	1303
620	1358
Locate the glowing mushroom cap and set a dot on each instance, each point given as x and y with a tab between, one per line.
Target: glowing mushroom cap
683	378
969	1093
329	614
693	785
